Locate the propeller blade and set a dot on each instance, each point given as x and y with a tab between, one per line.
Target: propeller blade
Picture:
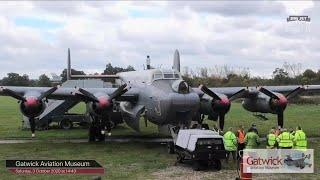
209	92
32	125
268	93
47	93
14	95
238	94
88	95
121	90
294	93
221	121
280	119
83	97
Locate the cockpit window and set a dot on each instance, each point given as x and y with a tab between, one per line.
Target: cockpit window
157	76
165	75
168	76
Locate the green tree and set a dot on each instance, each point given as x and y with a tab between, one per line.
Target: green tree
44	81
73	72
110	70
280	76
308	73
14	79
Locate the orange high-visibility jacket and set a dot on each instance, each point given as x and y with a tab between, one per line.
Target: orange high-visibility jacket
241	136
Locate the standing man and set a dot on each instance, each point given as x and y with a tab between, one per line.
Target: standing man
301	139
251	140
230	141
285	140
271	140
254	128
240	135
276	131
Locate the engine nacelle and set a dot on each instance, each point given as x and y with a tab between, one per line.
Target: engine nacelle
213	108
131	114
264	104
104	105
34	110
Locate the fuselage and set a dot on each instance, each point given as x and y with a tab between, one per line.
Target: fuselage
167	98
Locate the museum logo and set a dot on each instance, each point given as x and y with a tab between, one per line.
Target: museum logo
278	161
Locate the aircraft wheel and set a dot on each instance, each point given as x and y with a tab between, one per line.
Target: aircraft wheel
66	124
217	165
196	166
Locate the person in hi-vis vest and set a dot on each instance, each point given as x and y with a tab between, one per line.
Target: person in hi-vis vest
301	139
230	141
285	140
240	135
251	140
271	140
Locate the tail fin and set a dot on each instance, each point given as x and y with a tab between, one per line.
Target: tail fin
69	66
176	61
54	76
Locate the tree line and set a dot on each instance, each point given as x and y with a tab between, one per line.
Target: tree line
15	79
225	76
216	76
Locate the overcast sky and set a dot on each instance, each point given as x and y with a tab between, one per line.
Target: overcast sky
34	36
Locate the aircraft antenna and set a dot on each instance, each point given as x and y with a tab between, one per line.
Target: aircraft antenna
148	62
69	66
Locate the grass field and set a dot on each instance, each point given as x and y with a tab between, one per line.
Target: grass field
137	160
307	116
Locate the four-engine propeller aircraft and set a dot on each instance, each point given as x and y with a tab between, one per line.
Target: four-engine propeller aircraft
160	95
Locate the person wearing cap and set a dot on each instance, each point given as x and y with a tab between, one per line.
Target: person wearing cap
251	139
254	128
230	141
285	140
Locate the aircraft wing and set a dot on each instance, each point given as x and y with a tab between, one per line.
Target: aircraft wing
254	90
63	93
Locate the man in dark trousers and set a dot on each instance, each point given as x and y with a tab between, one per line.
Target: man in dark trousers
240	136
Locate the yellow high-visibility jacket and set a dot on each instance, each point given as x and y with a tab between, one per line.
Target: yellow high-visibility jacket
285	139
230	141
301	140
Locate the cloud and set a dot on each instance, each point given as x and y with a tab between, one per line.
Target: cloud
35	35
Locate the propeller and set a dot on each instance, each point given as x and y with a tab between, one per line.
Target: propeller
31	104
104	103
224	102
280	102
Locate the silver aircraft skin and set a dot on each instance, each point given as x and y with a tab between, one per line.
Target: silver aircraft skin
160	95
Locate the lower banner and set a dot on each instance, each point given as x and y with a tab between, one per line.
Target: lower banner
54	167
